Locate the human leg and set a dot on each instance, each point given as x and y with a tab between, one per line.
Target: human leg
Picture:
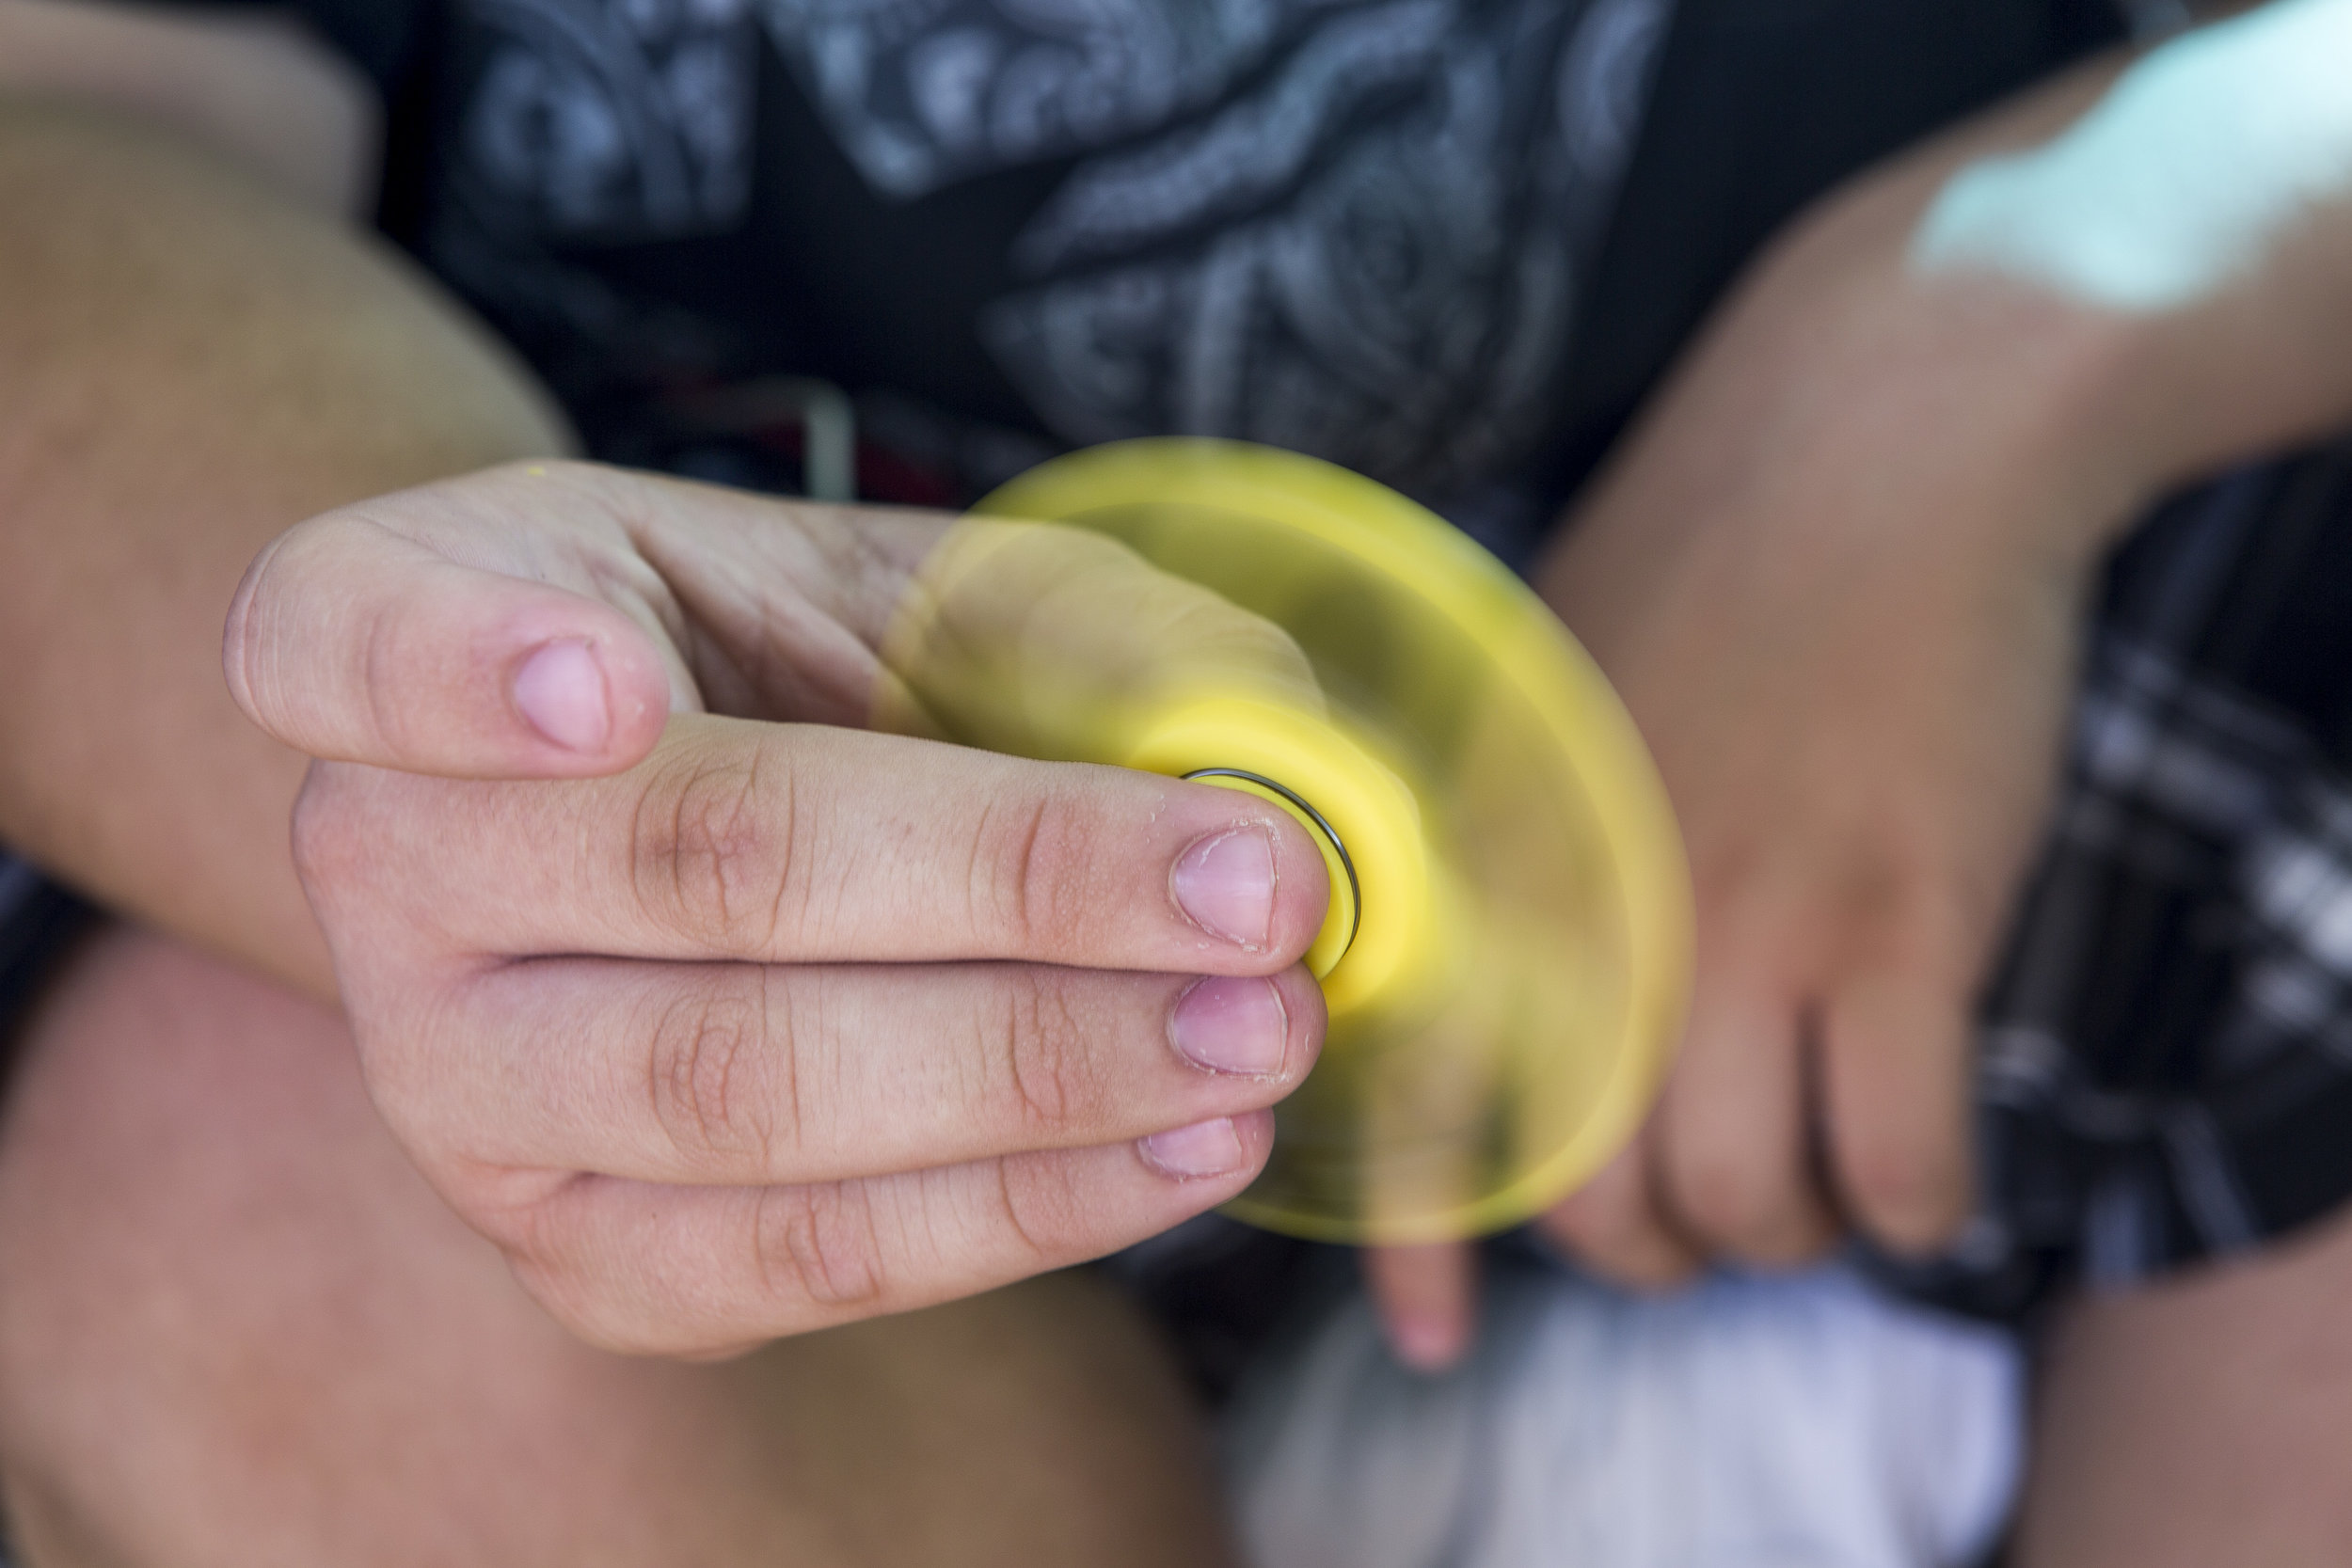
238	1328
2205	1419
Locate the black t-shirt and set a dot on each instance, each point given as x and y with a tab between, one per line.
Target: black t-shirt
1449	242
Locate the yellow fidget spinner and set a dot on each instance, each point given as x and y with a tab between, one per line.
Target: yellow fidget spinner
1507	949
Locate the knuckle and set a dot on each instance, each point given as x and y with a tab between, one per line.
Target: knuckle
520	1210
704	1077
1031	871
1904	1192
1927	923
352	837
1791	1244
571	1277
1608	1233
534	1240
405	1034
388	664
246	637
590	1315
327	841
1648	1261
1046	1070
269	664
1726	1200
711	847
369	847
822	1244
1043	1207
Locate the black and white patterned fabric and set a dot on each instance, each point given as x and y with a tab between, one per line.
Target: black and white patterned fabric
2166	1067
1419	155
1361	228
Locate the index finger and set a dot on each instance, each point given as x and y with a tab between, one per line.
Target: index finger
803	843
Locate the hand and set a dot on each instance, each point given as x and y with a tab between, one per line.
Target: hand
734	1021
1837	575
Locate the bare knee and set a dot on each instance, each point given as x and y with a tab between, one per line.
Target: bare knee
238	1328
194	1203
2205	1420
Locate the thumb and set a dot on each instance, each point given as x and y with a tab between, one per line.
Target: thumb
350	642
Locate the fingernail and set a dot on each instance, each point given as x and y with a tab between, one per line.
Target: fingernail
560	689
1426	1345
1225	885
1204	1148
1231	1025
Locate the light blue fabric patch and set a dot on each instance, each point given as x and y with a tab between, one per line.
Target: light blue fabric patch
1762	1421
2199	160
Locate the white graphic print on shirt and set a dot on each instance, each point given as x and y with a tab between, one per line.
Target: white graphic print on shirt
1355	228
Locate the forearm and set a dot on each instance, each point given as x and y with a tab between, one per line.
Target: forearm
2202	207
252	85
2048	420
1838	574
188	366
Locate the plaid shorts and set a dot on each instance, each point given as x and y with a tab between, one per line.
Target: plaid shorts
2167	1050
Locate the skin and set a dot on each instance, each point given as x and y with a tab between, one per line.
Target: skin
1850	649
255	363
2200	1421
254	88
259	1337
784	1024
2206	152
194	365
1808	326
